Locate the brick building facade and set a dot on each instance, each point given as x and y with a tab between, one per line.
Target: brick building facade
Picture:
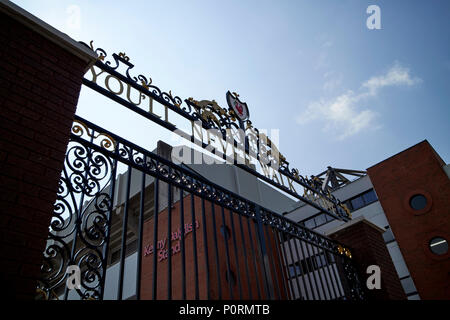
418	170
239	260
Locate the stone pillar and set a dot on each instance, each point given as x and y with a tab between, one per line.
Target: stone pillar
41	71
366	243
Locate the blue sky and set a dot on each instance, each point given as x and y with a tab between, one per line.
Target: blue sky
340	94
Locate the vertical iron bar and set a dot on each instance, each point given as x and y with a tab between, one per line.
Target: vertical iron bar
304	279
338	271
335	277
123	247
227	255
140	229
344	282
205	244
219	286
313	293
236	254
155	238
329	265
194	247
289	238
282	240
169	238
245	256
183	256
324	268
313	262
108	228
253	253
280	250
272	260
268	284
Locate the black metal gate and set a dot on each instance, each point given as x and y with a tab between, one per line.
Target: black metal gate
160	230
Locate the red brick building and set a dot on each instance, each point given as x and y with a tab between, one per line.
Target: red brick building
251	278
407	196
413	188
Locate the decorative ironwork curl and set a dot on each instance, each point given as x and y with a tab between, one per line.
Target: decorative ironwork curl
140	80
76	223
105	140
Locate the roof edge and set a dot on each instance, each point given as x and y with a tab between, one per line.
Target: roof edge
396	154
360	219
49	32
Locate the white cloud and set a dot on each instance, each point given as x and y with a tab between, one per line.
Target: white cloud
340	115
396	76
343	115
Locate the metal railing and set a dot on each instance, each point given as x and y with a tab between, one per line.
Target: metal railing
238	249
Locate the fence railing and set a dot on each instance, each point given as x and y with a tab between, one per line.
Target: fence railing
162	231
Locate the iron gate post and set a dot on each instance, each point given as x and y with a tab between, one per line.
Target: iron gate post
263	250
105	250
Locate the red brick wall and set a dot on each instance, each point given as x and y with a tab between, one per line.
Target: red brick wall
39	88
247	292
367	246
417	170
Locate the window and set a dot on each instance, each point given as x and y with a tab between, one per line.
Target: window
361	200
310	224
320	219
357	203
353	204
370	196
408	285
388	236
418	202
438	246
320	260
293	269
316	221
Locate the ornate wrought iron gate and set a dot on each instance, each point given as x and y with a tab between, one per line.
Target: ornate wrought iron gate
162	231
